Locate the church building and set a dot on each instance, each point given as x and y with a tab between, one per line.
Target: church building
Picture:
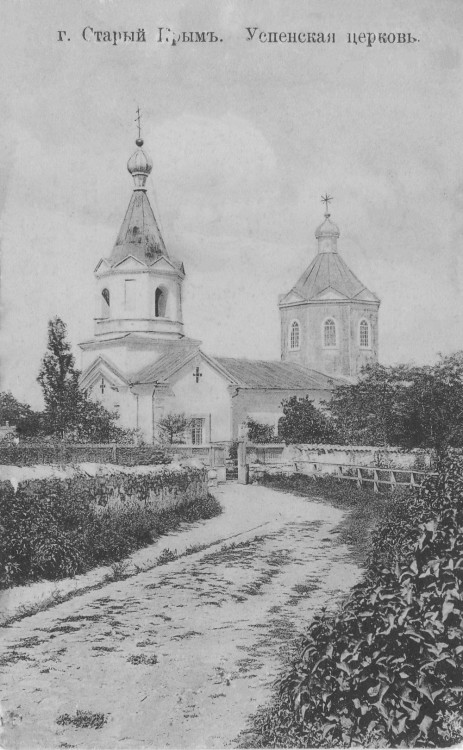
141	363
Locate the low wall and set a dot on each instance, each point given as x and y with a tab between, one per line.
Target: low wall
115	486
278	454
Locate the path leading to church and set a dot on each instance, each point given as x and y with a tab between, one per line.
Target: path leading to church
183	654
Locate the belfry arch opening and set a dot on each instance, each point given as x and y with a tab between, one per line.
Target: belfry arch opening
105	303
160	303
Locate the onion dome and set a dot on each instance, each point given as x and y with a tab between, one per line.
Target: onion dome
327	235
327	229
139	166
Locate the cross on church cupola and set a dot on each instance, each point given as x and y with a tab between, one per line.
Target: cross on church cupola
326	199
197	374
139	140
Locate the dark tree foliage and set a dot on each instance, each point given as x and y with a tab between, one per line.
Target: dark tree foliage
260	433
409	406
385	669
304	423
173	428
369	411
26	421
70	413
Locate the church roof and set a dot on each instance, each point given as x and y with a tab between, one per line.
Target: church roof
159	371
329	270
328	276
243	373
139	234
255	373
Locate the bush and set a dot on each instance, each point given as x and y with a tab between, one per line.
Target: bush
386	669
261	433
59	452
53	528
304	423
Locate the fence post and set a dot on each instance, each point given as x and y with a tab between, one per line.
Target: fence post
243	468
375	481
114	453
392	480
359	478
412	479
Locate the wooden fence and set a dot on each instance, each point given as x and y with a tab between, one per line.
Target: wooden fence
391	478
361	475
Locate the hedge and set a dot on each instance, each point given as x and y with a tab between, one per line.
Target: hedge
386	669
27	454
52	528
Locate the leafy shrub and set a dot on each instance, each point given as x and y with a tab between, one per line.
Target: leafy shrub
166	556
53	528
261	433
302	422
386	669
64	453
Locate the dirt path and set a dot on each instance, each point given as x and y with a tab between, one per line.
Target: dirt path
181	655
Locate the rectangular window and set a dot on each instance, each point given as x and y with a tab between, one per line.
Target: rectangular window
197	431
129	294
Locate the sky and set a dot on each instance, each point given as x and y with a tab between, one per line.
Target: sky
245	137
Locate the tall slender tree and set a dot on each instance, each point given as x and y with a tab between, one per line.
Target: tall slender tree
59	379
69	411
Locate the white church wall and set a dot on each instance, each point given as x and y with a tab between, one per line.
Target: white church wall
208	399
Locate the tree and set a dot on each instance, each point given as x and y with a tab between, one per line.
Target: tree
370	412
68	411
59	380
173	427
302	422
22	416
434	413
407	406
260	433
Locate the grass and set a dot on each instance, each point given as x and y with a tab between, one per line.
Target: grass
147	659
83	720
120	570
363	507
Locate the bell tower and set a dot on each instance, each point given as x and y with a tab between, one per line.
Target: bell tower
138	290
139	287
329	319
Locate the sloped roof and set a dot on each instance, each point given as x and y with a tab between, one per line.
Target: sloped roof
159	371
249	373
244	373
139	234
328	270
96	366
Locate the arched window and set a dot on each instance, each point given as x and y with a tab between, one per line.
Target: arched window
364	334
105	303
329	333
160	303
294	335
